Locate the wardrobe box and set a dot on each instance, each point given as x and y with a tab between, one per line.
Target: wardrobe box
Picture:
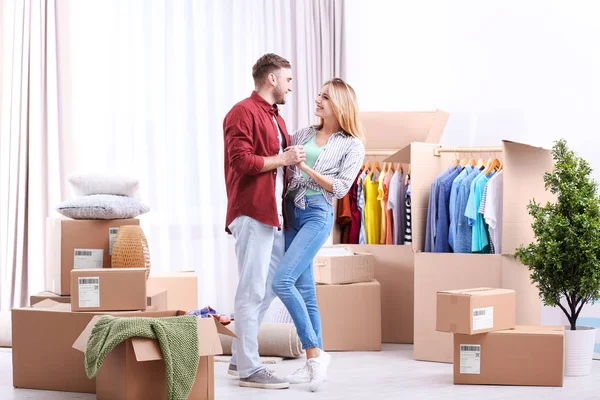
524	168
135	368
42	353
336	265
77	244
473	311
181	287
108	289
526	355
394	264
350	316
36	298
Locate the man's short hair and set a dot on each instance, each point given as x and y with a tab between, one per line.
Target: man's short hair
267	64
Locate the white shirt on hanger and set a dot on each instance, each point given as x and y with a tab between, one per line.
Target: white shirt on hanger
494	210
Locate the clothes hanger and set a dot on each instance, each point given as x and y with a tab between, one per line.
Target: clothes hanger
366	166
399	168
376	166
480	163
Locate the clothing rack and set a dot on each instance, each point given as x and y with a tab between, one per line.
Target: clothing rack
493	149
384	153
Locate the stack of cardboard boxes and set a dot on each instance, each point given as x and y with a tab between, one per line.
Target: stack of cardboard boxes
50	335
490	349
349	299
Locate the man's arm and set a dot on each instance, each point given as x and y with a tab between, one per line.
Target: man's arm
292	155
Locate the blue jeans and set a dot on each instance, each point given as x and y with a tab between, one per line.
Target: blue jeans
294	280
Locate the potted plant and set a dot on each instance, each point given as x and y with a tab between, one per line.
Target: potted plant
564	260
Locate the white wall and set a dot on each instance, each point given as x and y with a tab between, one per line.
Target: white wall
519	70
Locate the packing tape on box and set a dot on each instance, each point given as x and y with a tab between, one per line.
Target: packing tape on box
274	340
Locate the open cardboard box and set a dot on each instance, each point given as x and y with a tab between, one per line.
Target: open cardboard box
524	167
42	340
135	368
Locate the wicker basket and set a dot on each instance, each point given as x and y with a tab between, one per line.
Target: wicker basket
130	249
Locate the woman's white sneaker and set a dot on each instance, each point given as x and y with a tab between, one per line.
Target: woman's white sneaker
317	368
302	375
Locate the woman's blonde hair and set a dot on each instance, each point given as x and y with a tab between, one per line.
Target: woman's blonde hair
345	107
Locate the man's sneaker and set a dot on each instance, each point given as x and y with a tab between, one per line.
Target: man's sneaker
232	370
318	370
302	375
263	379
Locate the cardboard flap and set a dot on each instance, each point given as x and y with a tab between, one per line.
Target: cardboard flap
146	349
466	291
221	329
524	168
395	130
47	303
81	342
402	156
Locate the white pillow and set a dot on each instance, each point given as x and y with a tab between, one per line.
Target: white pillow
86	184
102	206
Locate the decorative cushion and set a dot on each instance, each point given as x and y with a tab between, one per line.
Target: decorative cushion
87	184
102	206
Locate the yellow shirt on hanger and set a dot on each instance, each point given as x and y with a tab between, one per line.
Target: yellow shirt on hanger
380	198
372	210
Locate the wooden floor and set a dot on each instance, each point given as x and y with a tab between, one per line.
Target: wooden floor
390	374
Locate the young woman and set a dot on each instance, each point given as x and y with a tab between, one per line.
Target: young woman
334	153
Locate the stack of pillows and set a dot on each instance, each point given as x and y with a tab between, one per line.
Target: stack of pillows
102	197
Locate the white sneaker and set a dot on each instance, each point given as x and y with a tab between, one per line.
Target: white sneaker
317	368
302	375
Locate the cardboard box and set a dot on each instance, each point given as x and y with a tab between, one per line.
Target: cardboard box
181	287
135	369
42	353
108	289
350	316
36	298
79	244
435	272
473	311
336	269
526	355
156	300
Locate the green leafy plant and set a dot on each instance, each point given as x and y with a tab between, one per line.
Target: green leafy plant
564	260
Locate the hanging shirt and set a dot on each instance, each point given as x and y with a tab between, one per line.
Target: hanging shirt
468	169
389	219
493	212
464	232
479	238
430	228
408	202
344	218
481	211
372	210
355	212
382	233
397	204
443	218
360	196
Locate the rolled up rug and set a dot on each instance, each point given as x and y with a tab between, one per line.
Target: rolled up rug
274	340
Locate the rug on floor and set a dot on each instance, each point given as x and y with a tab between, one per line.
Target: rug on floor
265	360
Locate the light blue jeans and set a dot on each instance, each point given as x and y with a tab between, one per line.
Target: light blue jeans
294	280
259	250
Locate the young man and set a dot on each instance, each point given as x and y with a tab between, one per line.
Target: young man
257	150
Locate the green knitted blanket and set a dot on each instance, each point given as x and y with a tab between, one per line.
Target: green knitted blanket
177	337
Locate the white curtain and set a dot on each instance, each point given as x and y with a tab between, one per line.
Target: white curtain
30	144
151	84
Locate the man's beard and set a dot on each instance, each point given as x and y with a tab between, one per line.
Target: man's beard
279	96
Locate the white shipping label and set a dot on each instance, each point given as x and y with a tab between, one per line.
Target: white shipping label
483	318
89	291
112	234
470	359
88	258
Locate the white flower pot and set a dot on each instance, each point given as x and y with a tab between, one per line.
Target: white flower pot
579	350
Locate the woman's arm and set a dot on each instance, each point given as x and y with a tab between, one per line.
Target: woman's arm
325	182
